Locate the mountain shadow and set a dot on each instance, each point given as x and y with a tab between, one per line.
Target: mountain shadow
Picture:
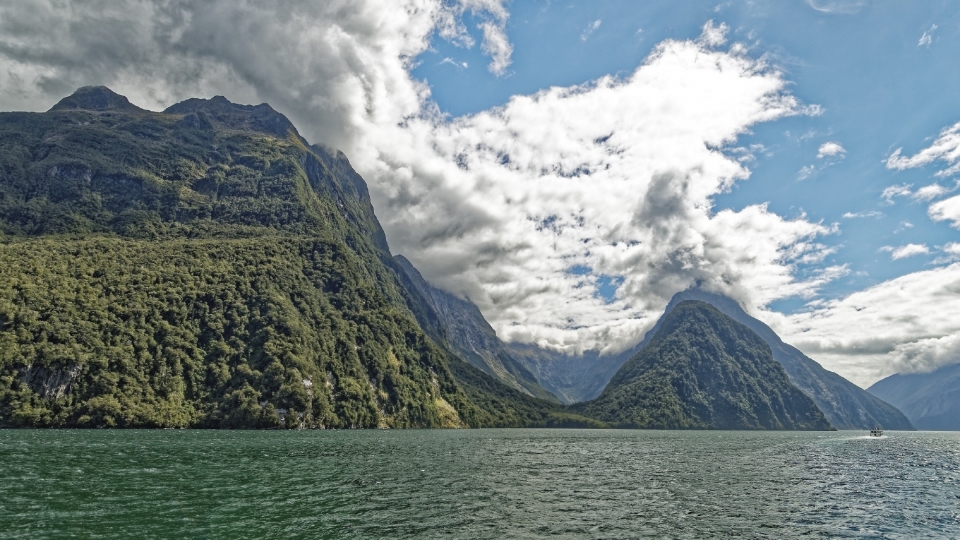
930	400
472	336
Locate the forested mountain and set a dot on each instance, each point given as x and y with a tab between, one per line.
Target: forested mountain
846	405
930	400
704	370
206	266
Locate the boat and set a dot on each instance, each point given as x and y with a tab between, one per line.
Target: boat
876	432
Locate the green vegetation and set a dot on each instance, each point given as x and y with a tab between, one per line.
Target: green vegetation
206	267
237	333
703	370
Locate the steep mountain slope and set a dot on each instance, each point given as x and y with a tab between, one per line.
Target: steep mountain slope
703	370
930	400
572	378
846	405
472	336
205	266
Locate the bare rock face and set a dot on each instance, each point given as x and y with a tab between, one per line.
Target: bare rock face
464	327
51	383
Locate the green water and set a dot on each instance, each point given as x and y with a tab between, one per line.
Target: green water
477	484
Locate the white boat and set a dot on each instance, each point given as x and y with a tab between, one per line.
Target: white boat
876	432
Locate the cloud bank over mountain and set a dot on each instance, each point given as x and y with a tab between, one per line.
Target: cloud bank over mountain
570	216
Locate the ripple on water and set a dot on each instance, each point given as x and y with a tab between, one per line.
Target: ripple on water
478	484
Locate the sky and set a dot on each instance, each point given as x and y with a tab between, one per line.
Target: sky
569	166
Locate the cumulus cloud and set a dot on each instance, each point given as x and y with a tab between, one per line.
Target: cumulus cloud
949	253
616	176
932	191
714	35
946	210
908	324
945	148
926	193
908	250
830	149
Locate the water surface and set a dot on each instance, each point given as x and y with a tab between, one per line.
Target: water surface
477	484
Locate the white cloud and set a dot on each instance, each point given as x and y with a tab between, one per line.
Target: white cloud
830	149
908	324
590	29
927	38
865	214
839	7
497	45
908	250
945	148
900	190
617	175
454	63
495	42
806	172
927	193
949	253
713	35
926	355
946	210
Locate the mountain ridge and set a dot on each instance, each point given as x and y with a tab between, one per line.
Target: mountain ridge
930	400
208	267
704	370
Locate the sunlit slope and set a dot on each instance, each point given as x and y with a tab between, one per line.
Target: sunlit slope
703	370
846	405
205	266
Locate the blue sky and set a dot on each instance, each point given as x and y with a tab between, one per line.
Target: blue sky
880	89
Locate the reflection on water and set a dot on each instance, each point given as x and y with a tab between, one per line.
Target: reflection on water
477	484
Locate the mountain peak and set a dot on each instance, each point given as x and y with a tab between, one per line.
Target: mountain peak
846	405
96	98
704	370
231	115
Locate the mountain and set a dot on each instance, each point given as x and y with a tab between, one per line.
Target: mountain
206	266
930	400
846	405
572	378
472	336
704	370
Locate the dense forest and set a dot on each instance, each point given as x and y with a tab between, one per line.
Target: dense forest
207	267
704	370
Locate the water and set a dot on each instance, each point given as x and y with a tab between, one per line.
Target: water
477	484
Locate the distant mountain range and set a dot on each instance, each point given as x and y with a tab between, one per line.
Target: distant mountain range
845	405
930	400
206	266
